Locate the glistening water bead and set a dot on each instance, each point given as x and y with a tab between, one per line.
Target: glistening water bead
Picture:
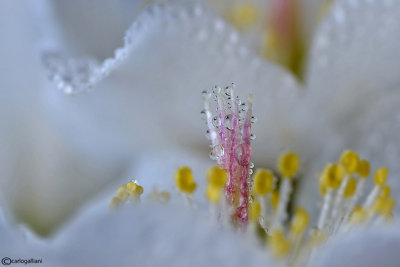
231	124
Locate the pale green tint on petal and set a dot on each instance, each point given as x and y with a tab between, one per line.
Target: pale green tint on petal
353	73
366	246
153	98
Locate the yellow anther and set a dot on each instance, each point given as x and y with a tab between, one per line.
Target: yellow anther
381	175
115	203
377	206
383	206
350	187
254	210
274	200
363	168
243	15
139	190
332	176
280	245
263	182
288	164
300	221
122	193
359	215
350	161
385	191
131	186
213	193
217	177
388	207
134	188
184	180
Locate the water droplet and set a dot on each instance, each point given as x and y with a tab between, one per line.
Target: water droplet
217	152
238	101
213	156
250	199
203	114
206	93
250	171
253	119
228	91
228	122
252	136
251	165
208	136
216	122
216	90
243	107
261	220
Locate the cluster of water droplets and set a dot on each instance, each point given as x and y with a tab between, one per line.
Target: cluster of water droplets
227	108
229	123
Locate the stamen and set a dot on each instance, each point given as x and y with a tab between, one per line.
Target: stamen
131	191
331	179
263	185
380	177
288	166
280	245
216	178
350	161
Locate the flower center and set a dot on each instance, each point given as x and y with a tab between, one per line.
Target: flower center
257	204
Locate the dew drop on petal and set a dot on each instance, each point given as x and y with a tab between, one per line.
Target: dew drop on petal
228	122
228	91
206	93
216	122
216	90
203	114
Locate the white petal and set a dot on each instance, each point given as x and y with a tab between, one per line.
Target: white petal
83	28
152	235
367	247
353	78
354	61
42	178
155	170
153	99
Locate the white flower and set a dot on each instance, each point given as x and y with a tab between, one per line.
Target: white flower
145	97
